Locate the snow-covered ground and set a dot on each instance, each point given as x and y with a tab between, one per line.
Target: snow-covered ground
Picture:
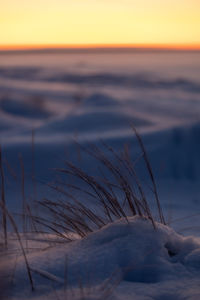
91	97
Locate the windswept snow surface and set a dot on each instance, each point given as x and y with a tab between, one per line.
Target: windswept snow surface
96	95
90	96
132	259
93	96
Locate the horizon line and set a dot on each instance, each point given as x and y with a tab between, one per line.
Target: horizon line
152	46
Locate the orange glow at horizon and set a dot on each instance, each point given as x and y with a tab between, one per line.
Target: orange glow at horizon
100	46
99	23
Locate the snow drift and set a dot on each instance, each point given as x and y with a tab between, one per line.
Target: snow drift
142	260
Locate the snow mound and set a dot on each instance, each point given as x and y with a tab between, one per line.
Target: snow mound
135	252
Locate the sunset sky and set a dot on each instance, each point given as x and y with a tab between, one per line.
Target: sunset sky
75	22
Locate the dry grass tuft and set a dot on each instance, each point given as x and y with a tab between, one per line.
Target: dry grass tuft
117	193
3	201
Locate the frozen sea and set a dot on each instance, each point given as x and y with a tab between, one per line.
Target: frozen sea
49	99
